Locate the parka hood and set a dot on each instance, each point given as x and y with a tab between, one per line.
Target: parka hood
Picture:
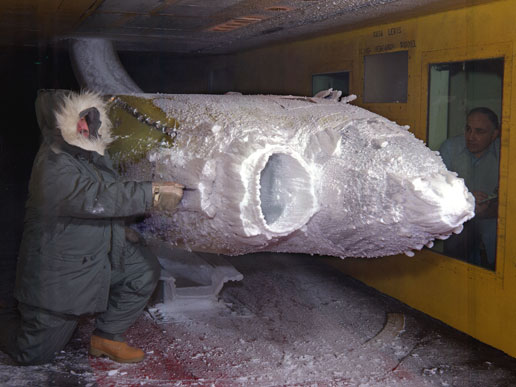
68	114
58	111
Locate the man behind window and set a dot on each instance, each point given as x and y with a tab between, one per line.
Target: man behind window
475	156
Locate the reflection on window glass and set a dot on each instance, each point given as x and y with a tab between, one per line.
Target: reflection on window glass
335	81
386	77
464	112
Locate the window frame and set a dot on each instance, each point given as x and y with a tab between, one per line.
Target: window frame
473	53
344	92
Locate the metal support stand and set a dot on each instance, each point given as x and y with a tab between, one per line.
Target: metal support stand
190	281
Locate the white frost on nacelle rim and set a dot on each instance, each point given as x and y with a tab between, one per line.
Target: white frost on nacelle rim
309	175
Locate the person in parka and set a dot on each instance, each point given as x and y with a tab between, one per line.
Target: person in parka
75	257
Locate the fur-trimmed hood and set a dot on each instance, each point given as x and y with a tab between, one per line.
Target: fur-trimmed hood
67	116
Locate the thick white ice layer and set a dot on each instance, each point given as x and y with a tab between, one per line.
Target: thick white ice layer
289	174
294	174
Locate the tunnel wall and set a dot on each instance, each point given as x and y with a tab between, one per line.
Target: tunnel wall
168	73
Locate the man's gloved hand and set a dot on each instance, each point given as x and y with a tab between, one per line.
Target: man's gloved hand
166	195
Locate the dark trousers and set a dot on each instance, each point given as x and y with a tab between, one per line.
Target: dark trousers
32	335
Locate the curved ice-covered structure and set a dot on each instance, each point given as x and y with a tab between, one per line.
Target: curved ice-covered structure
278	173
294	174
97	67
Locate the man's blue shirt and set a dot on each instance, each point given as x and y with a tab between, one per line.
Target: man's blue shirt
479	174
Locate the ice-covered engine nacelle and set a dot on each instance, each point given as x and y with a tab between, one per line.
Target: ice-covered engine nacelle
288	174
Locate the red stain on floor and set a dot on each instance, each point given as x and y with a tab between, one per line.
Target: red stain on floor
160	366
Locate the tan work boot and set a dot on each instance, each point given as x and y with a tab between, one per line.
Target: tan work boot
116	350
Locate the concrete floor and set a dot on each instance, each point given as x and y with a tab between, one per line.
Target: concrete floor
292	321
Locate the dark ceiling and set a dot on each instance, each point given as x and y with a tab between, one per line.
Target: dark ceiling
198	26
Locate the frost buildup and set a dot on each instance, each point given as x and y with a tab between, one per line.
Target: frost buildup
307	175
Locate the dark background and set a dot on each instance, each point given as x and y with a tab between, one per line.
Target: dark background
24	70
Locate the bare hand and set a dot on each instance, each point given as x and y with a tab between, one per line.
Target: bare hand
480	208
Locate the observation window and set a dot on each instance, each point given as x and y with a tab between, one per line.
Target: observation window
464	116
386	77
336	81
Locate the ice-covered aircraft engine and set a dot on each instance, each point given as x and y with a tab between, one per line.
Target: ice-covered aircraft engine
277	173
288	174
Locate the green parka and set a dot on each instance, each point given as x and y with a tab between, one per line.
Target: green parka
74	225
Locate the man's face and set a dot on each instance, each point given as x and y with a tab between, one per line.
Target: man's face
82	128
480	133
